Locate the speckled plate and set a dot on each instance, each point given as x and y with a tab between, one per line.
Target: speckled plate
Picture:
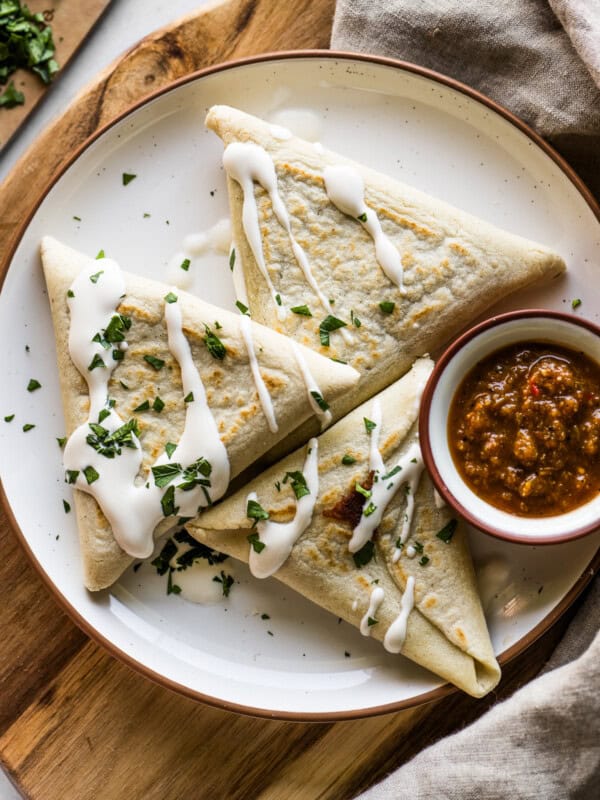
411	124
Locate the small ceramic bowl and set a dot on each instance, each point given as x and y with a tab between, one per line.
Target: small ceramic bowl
473	346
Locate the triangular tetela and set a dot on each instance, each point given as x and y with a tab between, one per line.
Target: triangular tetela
418	549
247	373
316	233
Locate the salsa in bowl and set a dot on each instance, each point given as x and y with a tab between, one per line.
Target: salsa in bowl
510	426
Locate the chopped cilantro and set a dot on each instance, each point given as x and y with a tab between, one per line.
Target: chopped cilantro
62	440
70	293
392	472
365	554
189	398
196	474
256	543
128	177
124	386
278	299
110	445
96	275
355	320
418	546
9	418
185	264
167	502
348	460
145	406
362	217
215	346
164	474
170	448
118	355
71	475
372	621
115	330
361	490
255	511
369	425
172	588
370	509
447	532
162	562
155	363
232	259
318	398
241	307
303	311
26	41
424	560
226	581
265	616
11	96
66	506
387	307
575	303
158	404
298	483
329	324
27	427
90	474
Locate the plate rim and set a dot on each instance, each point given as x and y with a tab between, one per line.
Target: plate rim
87	627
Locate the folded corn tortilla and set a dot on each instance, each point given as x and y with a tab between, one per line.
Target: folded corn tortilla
230	387
446	630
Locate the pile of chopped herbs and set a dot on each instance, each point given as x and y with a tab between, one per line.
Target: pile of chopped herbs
25	41
163	562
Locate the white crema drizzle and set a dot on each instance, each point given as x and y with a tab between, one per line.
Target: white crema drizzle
407	472
375	601
396	633
263	392
280	537
133	508
346	190
311	386
246	163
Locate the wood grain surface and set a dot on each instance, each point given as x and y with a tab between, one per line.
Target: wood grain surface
75	724
71	21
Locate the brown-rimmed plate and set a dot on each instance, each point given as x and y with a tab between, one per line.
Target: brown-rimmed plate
409	123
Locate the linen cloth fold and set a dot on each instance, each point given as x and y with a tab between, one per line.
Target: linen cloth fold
517	52
541	60
543	743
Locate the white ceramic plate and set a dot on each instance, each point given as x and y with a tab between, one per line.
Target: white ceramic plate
405	124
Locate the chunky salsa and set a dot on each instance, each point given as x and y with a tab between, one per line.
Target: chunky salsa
524	429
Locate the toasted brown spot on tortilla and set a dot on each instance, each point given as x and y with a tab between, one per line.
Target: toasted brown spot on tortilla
460	635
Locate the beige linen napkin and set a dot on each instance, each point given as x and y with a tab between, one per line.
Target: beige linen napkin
543	743
515	51
540	59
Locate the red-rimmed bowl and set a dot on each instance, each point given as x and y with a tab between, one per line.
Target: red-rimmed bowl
527	326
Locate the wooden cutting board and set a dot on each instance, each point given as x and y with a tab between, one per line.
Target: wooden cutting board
71	21
75	724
